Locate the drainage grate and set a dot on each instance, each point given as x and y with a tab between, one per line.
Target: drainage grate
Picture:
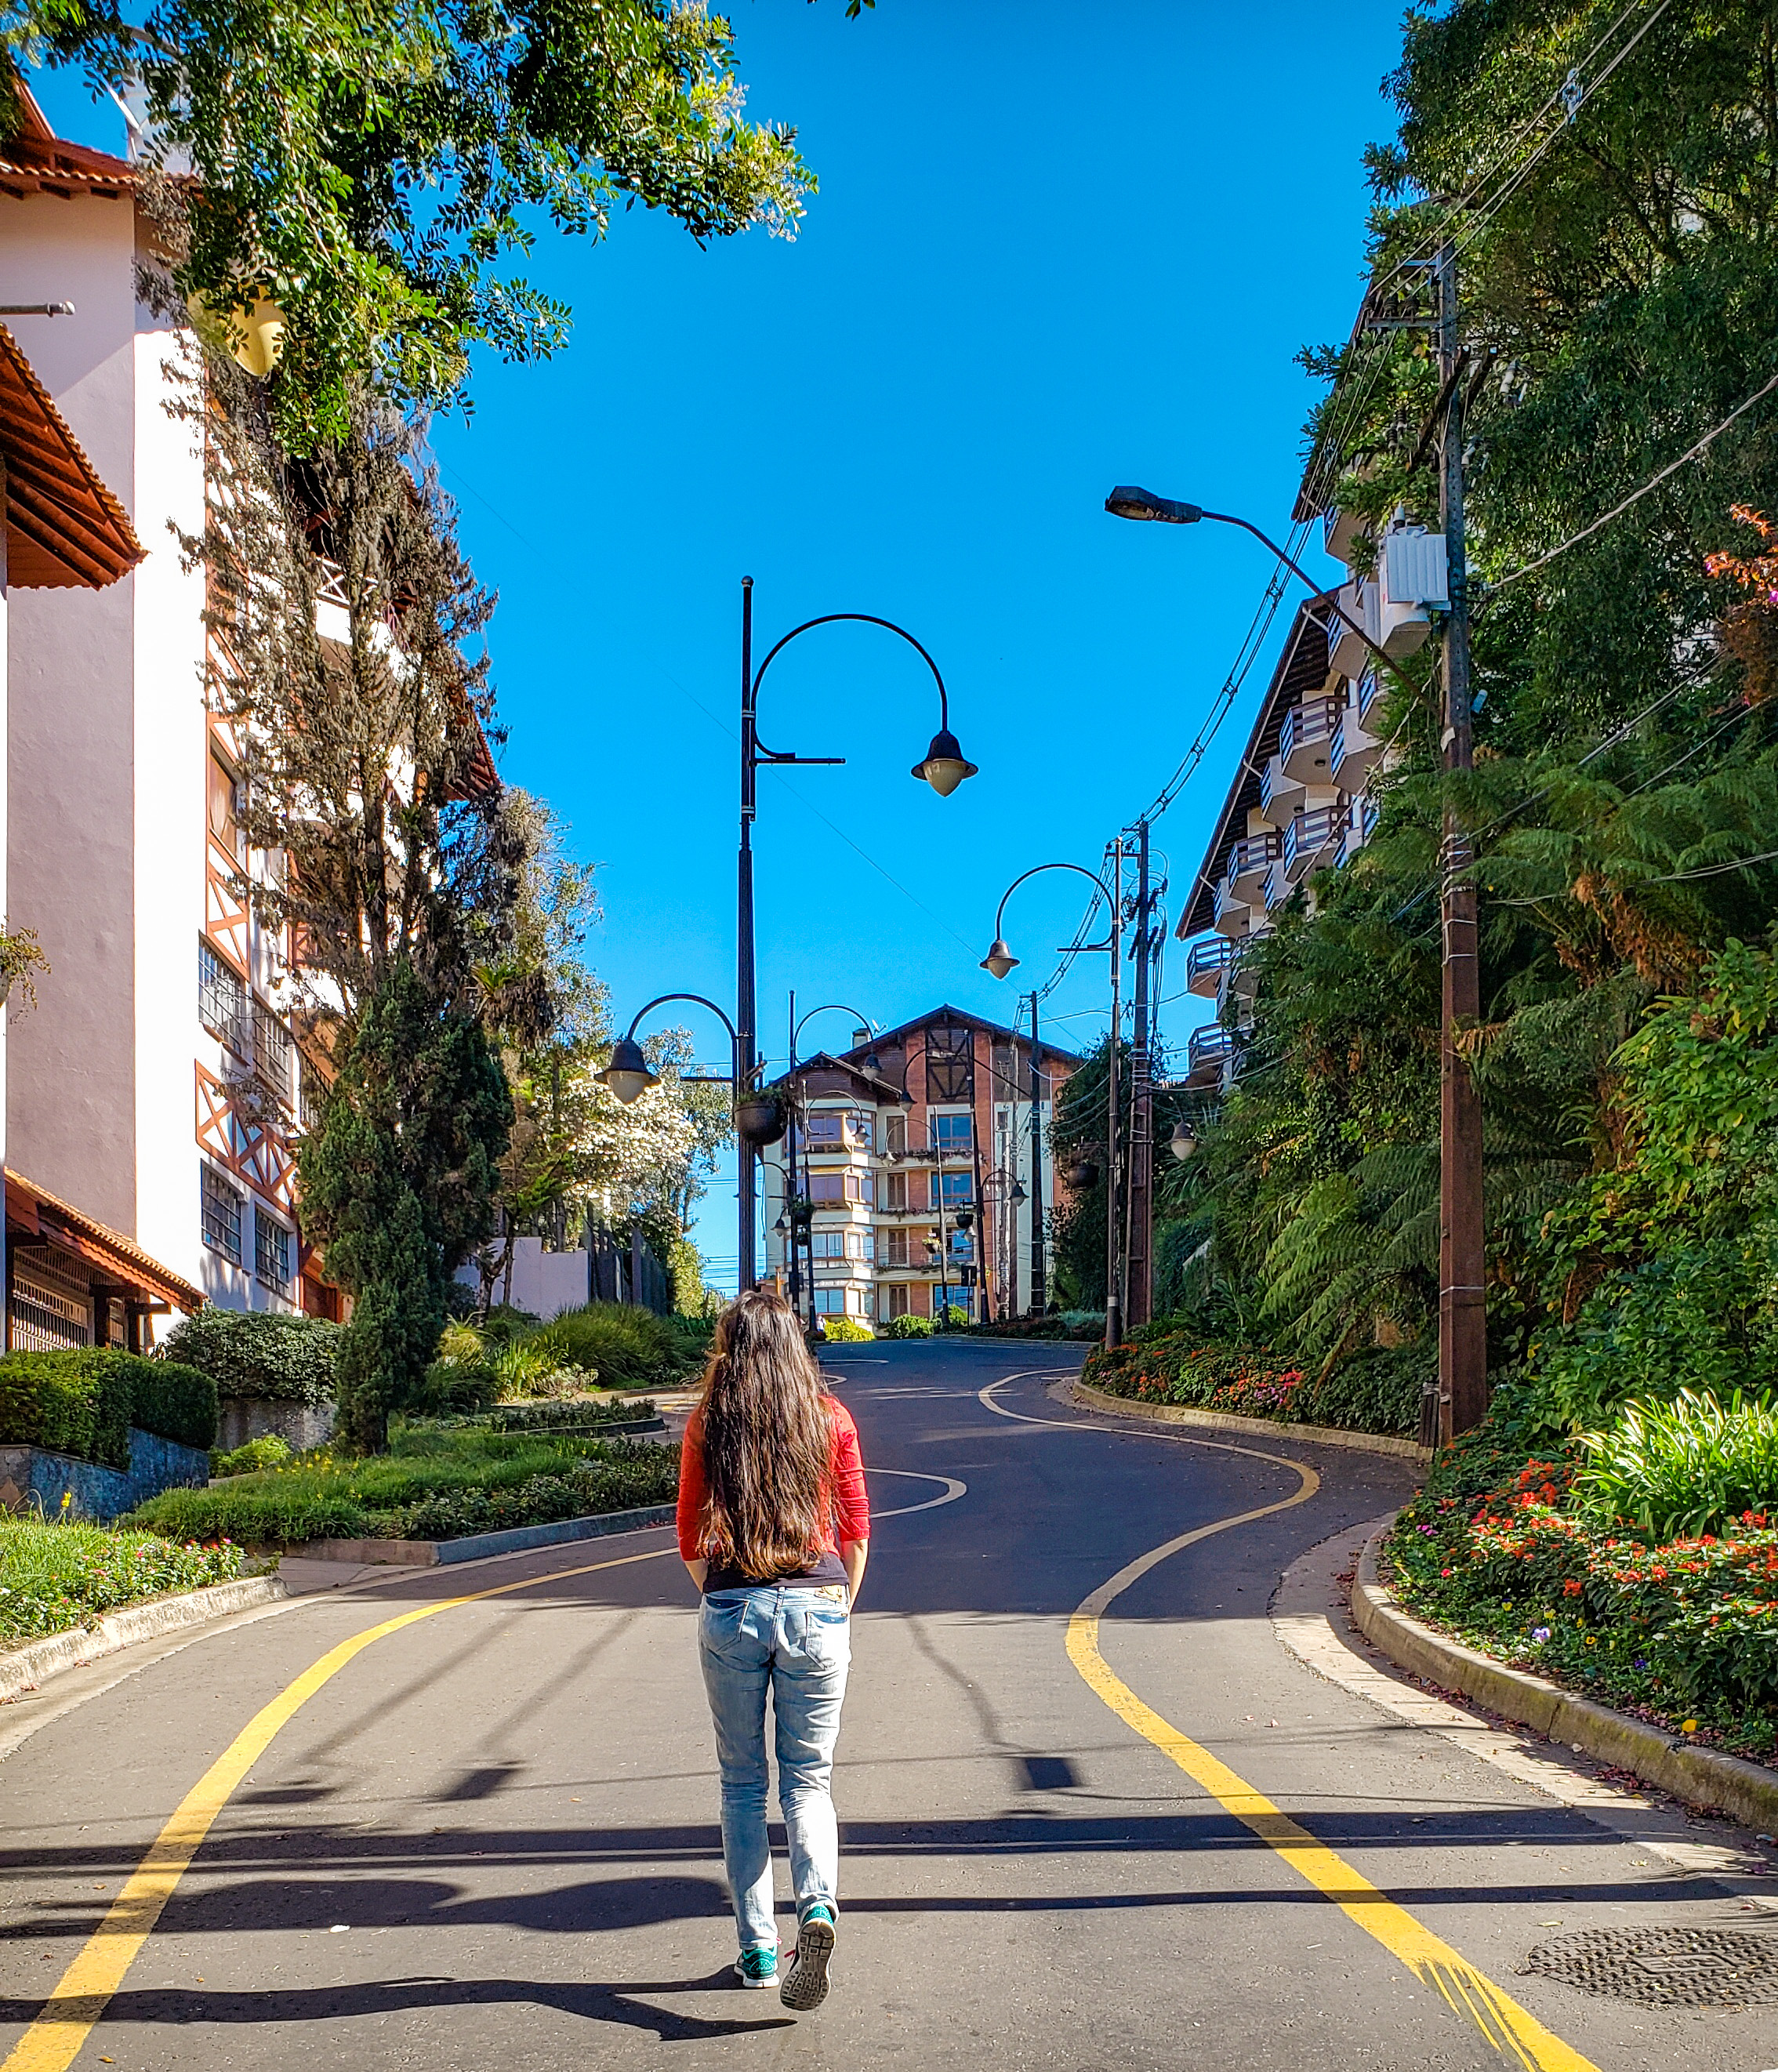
1712	1967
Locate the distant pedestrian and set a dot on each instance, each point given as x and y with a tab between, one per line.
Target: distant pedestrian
774	1525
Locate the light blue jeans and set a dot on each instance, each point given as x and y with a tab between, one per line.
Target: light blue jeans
796	1638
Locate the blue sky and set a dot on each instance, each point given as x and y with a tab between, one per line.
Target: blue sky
1055	247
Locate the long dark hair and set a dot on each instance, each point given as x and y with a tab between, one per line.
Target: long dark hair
767	1441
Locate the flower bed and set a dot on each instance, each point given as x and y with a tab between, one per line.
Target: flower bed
433	1484
55	1577
1683	1634
1379	1393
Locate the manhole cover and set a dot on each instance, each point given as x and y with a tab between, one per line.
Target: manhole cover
1664	1967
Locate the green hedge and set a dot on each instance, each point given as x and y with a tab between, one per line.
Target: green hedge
172	1401
263	1352
83	1401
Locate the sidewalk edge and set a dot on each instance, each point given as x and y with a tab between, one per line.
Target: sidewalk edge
24	1668
1702	1776
1089	1398
478	1545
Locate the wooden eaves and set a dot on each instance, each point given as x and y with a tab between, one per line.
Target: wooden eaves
64	528
33	1211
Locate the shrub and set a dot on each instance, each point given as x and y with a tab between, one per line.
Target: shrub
172	1401
77	1403
907	1327
56	1577
627	1347
845	1331
448	1390
272	1451
259	1353
552	1416
256	1510
1677	1470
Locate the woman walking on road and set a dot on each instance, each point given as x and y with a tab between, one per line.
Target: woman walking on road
774	1525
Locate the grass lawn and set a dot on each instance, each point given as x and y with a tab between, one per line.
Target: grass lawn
53	1577
435	1482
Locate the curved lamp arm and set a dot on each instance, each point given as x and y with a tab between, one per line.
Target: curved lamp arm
629	1076
999	960
830	1007
858	619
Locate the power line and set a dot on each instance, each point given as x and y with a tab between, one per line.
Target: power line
1636	496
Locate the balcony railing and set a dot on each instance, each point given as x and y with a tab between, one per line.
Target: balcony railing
1233	911
221	1001
1249	858
273	1052
1207	1051
1354	751
1368	688
1279	792
1310	841
1205	961
1305	741
1278	887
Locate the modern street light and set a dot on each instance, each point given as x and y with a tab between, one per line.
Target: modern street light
1463	1263
943	766
1000	960
1182	1144
1127	501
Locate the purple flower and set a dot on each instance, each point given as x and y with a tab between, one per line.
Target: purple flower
1640	1663
1540	1633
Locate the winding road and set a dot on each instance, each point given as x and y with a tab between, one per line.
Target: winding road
1094	1815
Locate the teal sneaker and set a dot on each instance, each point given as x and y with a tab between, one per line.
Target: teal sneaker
805	1984
756	1967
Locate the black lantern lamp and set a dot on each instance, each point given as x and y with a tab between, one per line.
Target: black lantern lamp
1182	1144
628	1075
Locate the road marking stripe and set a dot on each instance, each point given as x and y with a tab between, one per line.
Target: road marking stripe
1511	2029
54	2039
953	1489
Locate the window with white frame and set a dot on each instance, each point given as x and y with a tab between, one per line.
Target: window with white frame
827	1244
953	1135
836	1301
272	1249
223	1207
826	1129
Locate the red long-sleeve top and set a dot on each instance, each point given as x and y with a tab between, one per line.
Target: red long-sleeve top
847	1509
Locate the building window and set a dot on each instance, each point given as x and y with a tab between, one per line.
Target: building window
827	1244
897	1131
224	1206
272	1051
897	1299
953	1135
271	1253
222	998
826	1128
894	1248
896	1191
832	1302
829	1189
959	1189
862	1132
224	829
52	1305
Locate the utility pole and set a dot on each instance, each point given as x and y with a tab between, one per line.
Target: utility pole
1138	1279
1113	1247
1463	1314
1039	1292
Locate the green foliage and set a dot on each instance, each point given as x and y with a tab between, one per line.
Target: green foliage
582	1416
626	1346
173	1400
907	1327
434	1483
1373	1391
270	1451
952	1318
56	1577
373	170
259	1353
73	1403
397	1182
848	1331
1677	1470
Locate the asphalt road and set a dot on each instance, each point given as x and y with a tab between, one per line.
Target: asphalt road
488	1837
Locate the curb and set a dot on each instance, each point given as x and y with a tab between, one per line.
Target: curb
1702	1776
476	1546
24	1668
1091	1398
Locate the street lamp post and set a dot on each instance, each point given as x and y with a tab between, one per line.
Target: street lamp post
999	961
943	766
629	1076
1010	1189
1463	1318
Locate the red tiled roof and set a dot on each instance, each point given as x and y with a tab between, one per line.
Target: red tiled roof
35	1209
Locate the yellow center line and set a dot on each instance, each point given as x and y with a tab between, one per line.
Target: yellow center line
53	2040
1512	2030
